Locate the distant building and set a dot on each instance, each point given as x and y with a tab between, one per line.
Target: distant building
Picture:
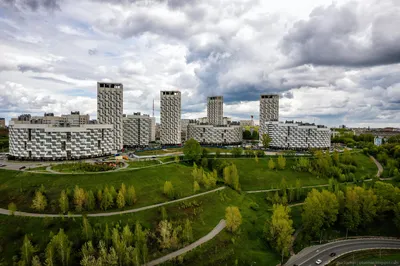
378	141
269	110
137	130
170	117
2	122
245	123
152	129
75	119
215	110
110	104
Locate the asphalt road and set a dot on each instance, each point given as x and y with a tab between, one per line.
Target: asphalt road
308	256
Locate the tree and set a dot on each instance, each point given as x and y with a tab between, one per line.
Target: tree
279	230
233	218
299	190
120	200
59	249
177	160
12	208
281	162
107	200
335	158
64	202
192	150
79	198
255	157
127	235
99	197
90	201
87	231
237	152
39	202
113	192
131	195
123	189
196	187
231	177
164	215
165	230
187	231
396	210
320	211
271	164
204	163
169	189
265	140
36	261
352	206
27	251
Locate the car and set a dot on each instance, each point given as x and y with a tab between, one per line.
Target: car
333	254
318	262
22	167
2	165
153	157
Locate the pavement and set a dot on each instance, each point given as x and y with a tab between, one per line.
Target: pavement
220	226
103	214
309	255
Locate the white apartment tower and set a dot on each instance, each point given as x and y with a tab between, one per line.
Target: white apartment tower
269	110
137	130
170	117
110	102
215	110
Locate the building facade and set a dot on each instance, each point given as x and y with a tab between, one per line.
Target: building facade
75	119
152	129
298	136
246	123
214	135
269	110
170	117
51	142
137	130
110	104
215	110
2	122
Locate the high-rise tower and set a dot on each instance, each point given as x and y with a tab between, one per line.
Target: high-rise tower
170	117
110	102
269	110
215	110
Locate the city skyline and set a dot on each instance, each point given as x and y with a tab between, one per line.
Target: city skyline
350	77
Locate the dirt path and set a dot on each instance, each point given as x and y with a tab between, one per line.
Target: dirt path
221	225
378	164
104	214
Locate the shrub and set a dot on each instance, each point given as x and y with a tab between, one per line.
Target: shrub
254	206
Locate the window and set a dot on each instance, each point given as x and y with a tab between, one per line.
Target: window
204	129
204	140
286	139
63	146
68	154
30	154
69	136
102	134
29	134
222	135
306	139
99	143
201	135
25	145
224	140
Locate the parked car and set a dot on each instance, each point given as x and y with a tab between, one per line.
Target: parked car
318	262
333	254
22	167
2	165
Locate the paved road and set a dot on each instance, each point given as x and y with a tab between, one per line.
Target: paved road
308	256
103	214
221	225
378	164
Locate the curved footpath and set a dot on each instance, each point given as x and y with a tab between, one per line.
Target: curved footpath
309	255
103	214
220	226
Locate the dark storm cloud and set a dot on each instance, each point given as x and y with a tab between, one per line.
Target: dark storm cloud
34	5
347	35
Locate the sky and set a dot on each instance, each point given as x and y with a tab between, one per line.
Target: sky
332	62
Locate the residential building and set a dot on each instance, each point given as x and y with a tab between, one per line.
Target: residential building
378	141
152	129
269	110
75	119
297	135
215	110
170	117
2	122
158	131
110	101
215	135
247	123
137	130
31	141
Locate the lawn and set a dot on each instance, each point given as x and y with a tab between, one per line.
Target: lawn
19	187
159	152
139	164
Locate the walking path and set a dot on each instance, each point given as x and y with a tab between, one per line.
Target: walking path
378	164
221	225
277	189
103	214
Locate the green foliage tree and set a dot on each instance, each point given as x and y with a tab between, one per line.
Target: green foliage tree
64	202
396	211
113	192
187	231
281	162
196	187
120	199
237	152
36	261
131	195
123	189
87	231
271	164
192	150
231	177
27	251
164	215
58	251
165	231
204	163
107	200
79	198
256	158
169	189
39	202
233	218
299	190
12	208
320	211
279	230
90	202
265	140
177	159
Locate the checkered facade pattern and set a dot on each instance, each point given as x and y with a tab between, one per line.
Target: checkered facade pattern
269	110
215	110
212	135
46	142
137	130
170	117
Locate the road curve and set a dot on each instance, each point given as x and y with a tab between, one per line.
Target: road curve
309	255
221	225
103	214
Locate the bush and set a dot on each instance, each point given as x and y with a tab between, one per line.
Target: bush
254	206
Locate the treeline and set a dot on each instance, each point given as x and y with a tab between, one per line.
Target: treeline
352	140
80	200
352	208
389	156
